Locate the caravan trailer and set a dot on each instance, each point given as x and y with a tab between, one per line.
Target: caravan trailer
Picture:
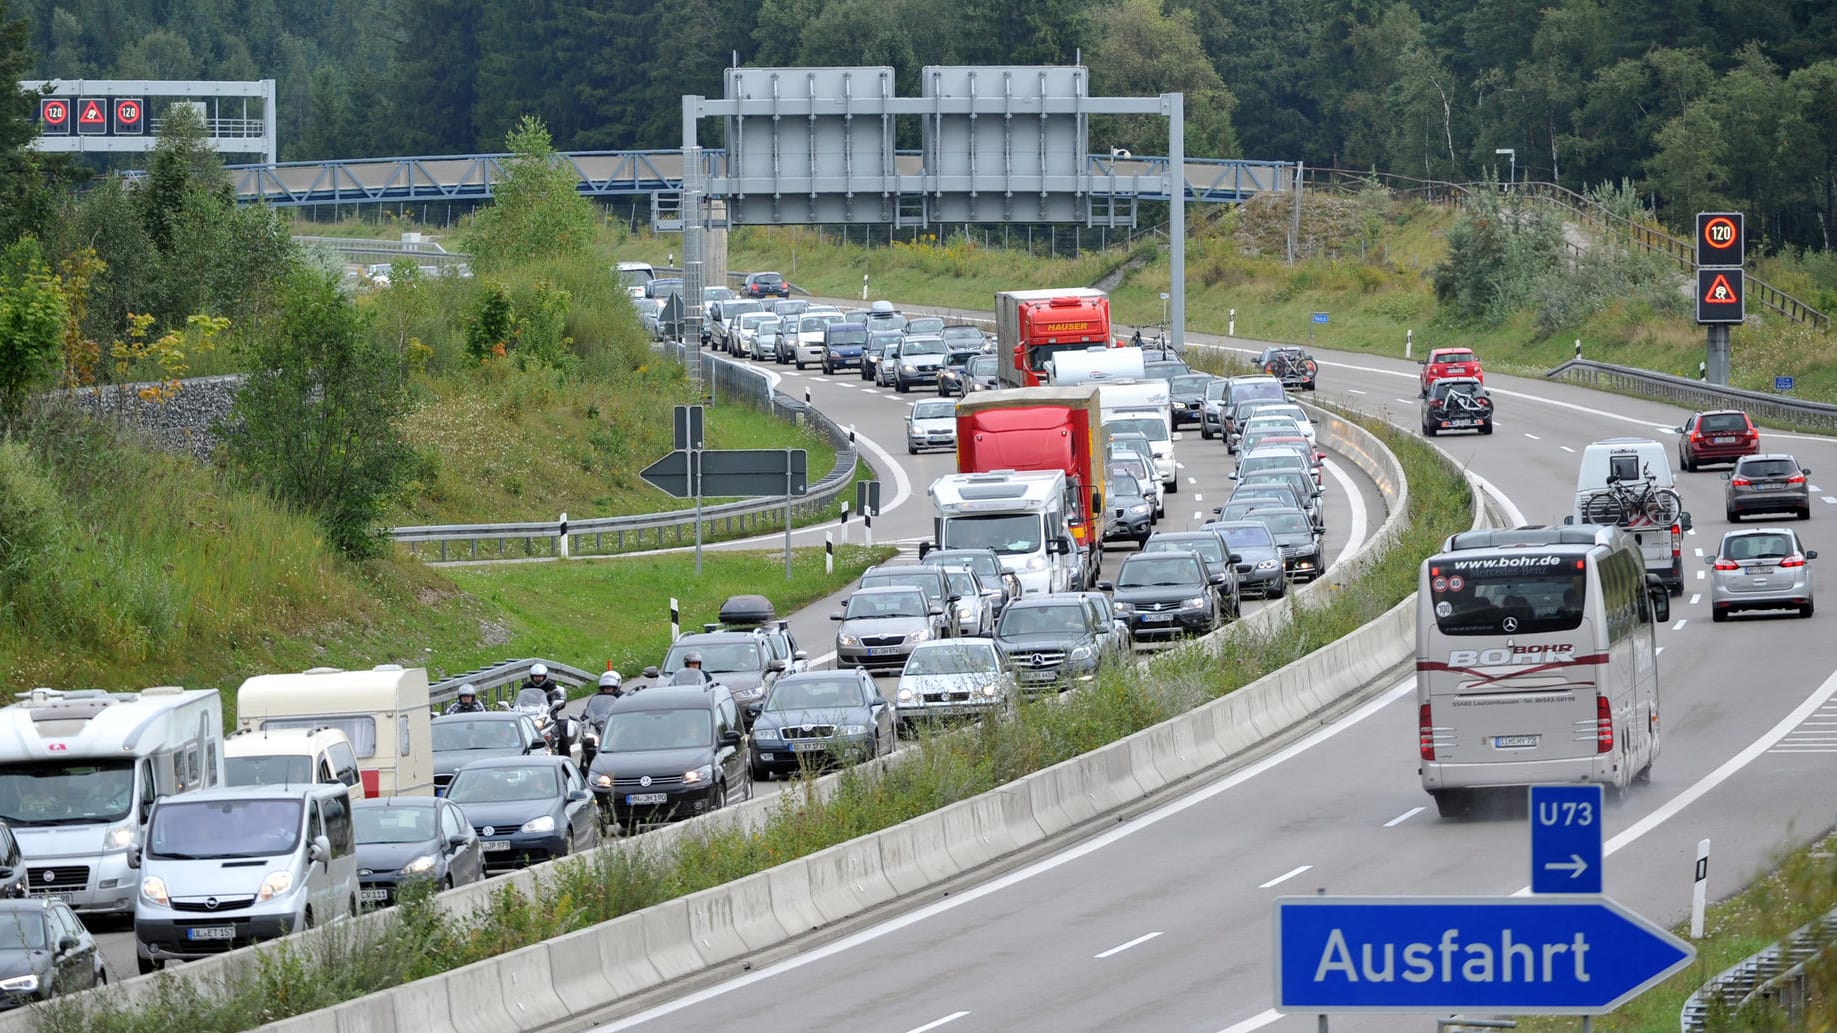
80	770
383	712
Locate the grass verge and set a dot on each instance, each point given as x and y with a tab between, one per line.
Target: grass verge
944	769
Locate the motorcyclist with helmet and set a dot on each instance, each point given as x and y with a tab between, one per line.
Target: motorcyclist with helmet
557	696
691	672
467	703
593	716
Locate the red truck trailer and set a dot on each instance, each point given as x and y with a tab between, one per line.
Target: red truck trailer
1043	428
1031	325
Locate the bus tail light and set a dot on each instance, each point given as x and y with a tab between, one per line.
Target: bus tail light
1425	733
1604	725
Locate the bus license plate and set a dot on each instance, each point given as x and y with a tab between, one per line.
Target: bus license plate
1514	741
637	799
211	932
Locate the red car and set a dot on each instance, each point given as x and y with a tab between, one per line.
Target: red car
1720	435
1450	362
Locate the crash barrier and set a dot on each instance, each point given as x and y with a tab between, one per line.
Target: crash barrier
593	967
733	382
1771	409
1773	981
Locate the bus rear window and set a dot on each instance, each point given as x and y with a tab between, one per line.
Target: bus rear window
1506	595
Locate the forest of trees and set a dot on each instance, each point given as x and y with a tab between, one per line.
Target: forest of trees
1704	105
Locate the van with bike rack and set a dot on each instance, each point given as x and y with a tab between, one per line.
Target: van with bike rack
1628	483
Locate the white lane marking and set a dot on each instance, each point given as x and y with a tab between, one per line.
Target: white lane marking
1198	497
1121	947
1255	1022
1409	401
1286	876
1815	488
952	1017
1679	626
1355	527
1533	437
1182	466
1354	391
1659	650
1695	598
1699	553
1699	575
1190	480
1405	816
1566	448
1040	867
1830	500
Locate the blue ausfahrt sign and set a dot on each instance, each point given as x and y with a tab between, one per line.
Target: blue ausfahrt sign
1782	383
1566	839
1515	955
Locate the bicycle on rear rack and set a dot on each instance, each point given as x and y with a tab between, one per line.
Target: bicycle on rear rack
1619	505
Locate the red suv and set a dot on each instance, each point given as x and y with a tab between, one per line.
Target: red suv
766	285
1450	362
1721	435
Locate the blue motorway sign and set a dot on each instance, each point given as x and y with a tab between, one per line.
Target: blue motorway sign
1782	383
1566	838
1511	955
1320	317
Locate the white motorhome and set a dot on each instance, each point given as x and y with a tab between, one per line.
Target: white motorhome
1144	406
1096	364
382	711
80	770
1022	515
1626	464
634	277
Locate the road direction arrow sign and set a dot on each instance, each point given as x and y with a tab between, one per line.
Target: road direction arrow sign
670	475
1511	955
1566	838
736	473
1719	296
1782	383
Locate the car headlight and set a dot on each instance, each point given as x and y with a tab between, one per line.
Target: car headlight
908	696
853	730
990	692
847	640
753	693
274	885
1268	564
603	781
1125	607
1195	603
919	636
765	733
696	776
20	984
420	865
1082	653
118	838
546	823
1139	509
964	607
154	888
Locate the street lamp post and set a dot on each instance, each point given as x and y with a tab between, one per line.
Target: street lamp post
1512	154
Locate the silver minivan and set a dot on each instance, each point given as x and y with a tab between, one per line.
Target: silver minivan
226	867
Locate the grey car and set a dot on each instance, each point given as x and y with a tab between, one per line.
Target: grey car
404	838
1166	594
1760	568
1767	483
1050	639
1129	513
820	718
986	563
460	739
1220	565
1256	548
881	625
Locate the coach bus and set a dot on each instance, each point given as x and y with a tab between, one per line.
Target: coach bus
1536	661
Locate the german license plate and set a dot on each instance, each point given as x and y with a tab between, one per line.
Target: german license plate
211	932
59	897
638	799
372	896
1156	617
1505	742
1725	441
492	846
816	746
1759	573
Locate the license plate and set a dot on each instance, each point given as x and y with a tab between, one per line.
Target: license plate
1510	741
1460	423
636	799
1153	617
59	897
1725	441
370	896
492	846
211	932
809	747
1760	571
882	650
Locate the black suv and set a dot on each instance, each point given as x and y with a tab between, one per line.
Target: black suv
1457	403
1289	364
1221	565
765	285
1164	595
670	752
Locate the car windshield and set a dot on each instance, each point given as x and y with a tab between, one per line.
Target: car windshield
187	830
719	656
815	324
924	580
384	825
1474	599
1123	485
934	410
968	334
1255	464
1156	572
963	583
475	735
640	730
1209	548
1166	370
718	294
814	693
751	320
1281	478
980	562
1217	388
1009	534
1247	537
1264	423
922	346
1292	522
1128	466
982	366
1757	547
1147	426
267	771
22	929
871	605
951	658
766	326
504	785
1190	385
925	325
1042	620
51	793
851	337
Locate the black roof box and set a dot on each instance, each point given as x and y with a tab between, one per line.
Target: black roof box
743	610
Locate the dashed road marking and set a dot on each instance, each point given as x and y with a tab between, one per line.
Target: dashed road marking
1533	437
1285	876
1405	816
952	1017
1695	598
1679	626
1699	553
1121	947
1566	448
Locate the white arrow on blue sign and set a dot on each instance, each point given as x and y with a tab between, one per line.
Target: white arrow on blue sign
1566	838
1511	955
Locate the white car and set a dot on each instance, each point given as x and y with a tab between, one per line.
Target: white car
1293	412
745	329
952	677
931	424
810	327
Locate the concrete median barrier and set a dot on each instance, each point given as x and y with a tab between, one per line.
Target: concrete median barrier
846	879
421	1005
372	1014
625	955
667	941
529	988
909	854
579	970
732	919
791	898
475	995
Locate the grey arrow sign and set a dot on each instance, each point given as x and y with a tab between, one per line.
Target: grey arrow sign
670	475
735	473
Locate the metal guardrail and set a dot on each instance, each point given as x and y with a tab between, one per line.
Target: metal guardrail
1772	410
732	382
422	251
501	680
1772	981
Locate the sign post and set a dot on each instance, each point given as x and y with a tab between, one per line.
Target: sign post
1721	243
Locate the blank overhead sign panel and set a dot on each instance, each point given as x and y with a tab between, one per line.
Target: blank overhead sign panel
809	145
1006	144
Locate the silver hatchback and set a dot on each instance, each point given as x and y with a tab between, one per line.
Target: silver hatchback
1760	568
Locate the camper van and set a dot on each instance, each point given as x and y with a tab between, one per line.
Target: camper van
382	711
80	770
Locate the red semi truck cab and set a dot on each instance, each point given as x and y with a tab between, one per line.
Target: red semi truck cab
1031	325
1042	428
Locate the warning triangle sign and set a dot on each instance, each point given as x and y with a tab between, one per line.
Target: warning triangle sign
91	114
1720	293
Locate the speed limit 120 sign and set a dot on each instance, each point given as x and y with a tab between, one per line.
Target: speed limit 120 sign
1720	241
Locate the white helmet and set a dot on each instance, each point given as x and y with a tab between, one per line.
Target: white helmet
539	670
612	679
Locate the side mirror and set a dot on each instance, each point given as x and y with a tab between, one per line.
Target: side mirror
755	708
836	616
1217	579
1106	586
503	704
1811	554
776	666
1806	470
801	655
1234	559
134	857
1677	430
651	671
1684	522
1232	475
1661	606
937	610
1728	474
731	737
925	547
1096	501
457	840
1569	519
577	795
321	850
1176	435
66	944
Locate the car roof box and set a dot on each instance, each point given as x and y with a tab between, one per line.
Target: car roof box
747	610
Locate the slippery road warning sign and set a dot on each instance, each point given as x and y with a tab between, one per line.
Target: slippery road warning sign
1719	296
92	116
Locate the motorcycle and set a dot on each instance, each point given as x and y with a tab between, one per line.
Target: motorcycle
593	728
547	716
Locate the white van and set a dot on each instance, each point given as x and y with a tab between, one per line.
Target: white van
1096	363
634	276
1615	468
291	756
226	867
1144	406
382	711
